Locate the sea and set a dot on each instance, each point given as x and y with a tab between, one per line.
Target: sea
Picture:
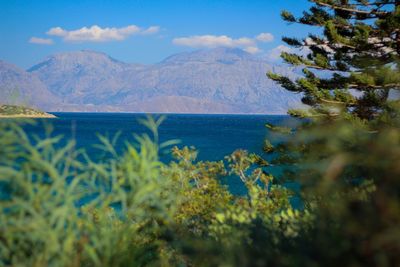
213	135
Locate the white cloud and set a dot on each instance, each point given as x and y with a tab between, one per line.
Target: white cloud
57	31
41	41
244	41
151	30
275	53
97	34
213	41
252	49
265	37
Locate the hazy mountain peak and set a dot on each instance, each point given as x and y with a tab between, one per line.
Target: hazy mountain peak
203	81
77	58
222	54
5	66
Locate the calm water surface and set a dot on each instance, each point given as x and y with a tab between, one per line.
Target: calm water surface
213	135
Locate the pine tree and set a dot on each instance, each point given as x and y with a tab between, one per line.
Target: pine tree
352	67
346	157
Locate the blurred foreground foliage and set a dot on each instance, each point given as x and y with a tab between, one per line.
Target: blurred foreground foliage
346	155
61	208
349	174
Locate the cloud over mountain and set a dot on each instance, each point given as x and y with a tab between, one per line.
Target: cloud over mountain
265	37
275	53
249	45
97	34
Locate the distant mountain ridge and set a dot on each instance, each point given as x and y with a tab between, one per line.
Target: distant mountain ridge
23	88
220	80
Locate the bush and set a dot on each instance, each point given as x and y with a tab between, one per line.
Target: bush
61	208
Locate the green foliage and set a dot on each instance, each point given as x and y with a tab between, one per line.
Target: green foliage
349	176
359	47
201	193
42	222
59	207
345	155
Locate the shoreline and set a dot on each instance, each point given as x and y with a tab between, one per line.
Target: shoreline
172	113
15	111
31	116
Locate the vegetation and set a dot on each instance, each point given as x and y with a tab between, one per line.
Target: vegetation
59	207
359	51
346	154
21	111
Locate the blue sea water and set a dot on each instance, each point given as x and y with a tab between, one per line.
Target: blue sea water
214	136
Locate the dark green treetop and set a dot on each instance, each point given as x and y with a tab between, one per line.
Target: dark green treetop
358	49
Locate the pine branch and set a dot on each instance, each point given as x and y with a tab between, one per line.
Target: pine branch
297	60
379	4
320	68
352	10
385	86
332	101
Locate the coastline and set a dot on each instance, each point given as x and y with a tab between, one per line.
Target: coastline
31	116
14	111
172	113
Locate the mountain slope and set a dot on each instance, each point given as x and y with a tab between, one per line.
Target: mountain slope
220	80
83	77
229	76
20	87
209	79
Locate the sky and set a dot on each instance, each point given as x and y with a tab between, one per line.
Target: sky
143	31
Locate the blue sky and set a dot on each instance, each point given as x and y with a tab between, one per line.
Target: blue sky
141	31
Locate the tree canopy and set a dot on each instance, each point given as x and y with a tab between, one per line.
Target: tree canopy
354	64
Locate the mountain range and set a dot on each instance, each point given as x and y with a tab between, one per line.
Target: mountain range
220	80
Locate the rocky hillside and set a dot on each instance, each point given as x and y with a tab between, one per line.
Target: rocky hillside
220	80
23	88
